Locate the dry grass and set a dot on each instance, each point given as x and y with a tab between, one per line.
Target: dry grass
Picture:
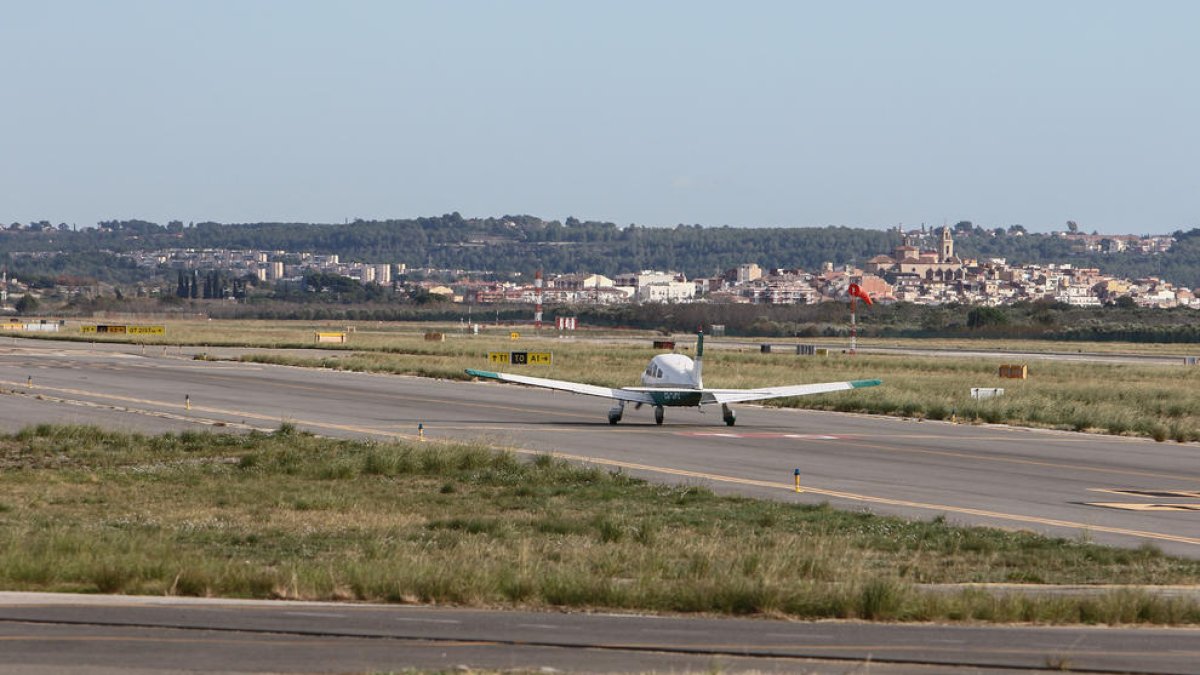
289	515
375	335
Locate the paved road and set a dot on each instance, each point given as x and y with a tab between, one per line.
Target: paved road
124	634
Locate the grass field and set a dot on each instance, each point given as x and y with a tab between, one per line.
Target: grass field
287	515
1157	401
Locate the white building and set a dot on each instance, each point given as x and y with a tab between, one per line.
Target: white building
644	278
666	291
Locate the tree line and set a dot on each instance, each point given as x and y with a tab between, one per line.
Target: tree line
522	244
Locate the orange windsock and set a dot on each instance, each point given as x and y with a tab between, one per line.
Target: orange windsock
858	292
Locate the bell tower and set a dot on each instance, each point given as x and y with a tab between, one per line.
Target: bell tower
946	252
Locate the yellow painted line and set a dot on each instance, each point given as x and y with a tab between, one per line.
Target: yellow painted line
1128	506
161	414
849	440
869	499
427	399
207	409
849	496
1149	494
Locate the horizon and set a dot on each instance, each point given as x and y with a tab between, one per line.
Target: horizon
778	114
908	229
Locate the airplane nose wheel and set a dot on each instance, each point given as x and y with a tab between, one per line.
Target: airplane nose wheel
658	414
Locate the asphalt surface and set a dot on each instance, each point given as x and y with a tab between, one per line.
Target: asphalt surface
1124	491
59	632
1075	485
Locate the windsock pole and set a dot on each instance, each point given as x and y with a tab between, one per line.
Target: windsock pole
853	324
855	292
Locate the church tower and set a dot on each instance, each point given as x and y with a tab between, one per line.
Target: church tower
947	248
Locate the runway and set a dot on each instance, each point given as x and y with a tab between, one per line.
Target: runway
1123	491
131	634
1045	481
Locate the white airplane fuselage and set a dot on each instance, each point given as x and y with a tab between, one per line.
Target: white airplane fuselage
669	380
670	370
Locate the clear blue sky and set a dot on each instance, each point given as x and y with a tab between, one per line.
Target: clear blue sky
864	114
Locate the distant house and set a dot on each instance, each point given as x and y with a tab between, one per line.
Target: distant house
579	282
880	264
442	290
666	291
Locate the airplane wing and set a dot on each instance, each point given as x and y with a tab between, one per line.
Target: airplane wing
743	395
563	385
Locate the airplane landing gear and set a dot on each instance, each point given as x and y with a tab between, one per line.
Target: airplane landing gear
614	414
728	415
658	414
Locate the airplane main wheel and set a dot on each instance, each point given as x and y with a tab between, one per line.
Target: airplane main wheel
728	415
658	414
614	413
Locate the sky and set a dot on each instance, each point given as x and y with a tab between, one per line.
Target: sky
791	113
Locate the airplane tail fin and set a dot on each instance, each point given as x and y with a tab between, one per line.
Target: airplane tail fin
698	364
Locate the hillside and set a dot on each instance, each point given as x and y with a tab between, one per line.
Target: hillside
524	243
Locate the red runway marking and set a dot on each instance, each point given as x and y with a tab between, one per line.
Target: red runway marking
759	434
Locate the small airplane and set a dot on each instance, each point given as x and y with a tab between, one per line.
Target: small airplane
675	380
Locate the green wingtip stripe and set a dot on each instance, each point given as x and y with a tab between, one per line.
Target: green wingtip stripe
482	373
858	384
